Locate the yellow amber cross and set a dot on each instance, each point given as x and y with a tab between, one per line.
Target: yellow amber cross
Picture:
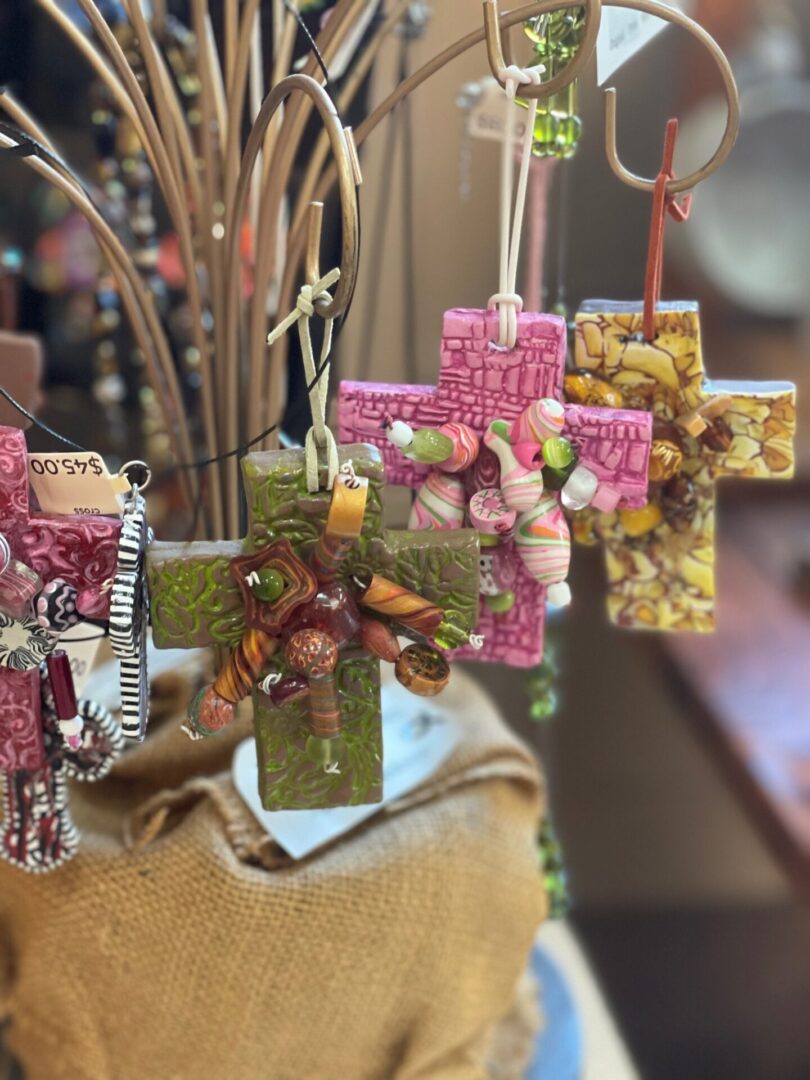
660	560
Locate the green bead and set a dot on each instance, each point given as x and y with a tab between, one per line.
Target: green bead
429	447
502	603
554	479
450	634
325	751
546	126
558	452
544	707
270	585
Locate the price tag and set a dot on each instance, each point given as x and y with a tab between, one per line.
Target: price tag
488	115
75	483
623	33
81	643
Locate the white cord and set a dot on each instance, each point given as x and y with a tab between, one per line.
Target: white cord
507	300
319	437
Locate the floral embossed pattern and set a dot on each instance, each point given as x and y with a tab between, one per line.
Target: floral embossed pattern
196	601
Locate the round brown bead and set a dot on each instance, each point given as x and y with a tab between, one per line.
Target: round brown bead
423	670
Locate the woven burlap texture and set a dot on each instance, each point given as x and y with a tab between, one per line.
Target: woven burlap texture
197	948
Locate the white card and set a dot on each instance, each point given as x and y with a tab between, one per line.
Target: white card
623	33
487	118
418	735
81	643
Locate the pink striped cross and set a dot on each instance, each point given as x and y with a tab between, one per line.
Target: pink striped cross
478	383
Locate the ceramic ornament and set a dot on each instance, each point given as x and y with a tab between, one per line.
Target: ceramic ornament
660	555
305	607
58	563
509	401
38	833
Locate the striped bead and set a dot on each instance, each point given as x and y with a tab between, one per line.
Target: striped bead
466	446
521	487
403	606
244	666
543	419
543	541
440	503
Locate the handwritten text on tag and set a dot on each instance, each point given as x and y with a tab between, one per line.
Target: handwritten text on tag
623	33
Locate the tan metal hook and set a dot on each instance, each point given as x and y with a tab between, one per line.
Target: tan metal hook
685	183
315	228
500	56
345	156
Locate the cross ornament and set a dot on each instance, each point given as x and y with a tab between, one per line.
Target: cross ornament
81	550
38	832
196	602
660	559
479	382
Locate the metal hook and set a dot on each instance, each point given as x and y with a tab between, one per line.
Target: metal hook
500	55
315	228
345	155
684	183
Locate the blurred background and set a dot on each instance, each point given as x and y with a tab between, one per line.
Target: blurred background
679	770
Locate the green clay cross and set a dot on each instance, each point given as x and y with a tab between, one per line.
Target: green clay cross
197	603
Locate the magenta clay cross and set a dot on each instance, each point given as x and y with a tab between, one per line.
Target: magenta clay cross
80	549
478	383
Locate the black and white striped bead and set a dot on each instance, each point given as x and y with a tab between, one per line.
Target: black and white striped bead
129	618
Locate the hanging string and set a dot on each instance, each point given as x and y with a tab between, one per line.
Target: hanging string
296	14
507	300
663	204
319	437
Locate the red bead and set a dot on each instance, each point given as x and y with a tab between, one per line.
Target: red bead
61	679
290	689
333	611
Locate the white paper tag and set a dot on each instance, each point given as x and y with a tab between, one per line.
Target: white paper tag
623	33
81	643
75	483
418	735
486	119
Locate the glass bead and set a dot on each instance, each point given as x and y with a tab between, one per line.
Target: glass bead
325	752
333	611
290	689
543	708
450	635
19	584
267	585
429	447
61	680
558	452
579	488
502	603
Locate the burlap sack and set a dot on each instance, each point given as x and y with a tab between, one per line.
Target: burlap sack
199	949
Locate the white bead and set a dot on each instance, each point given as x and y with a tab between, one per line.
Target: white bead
579	488
559	595
71	727
400	434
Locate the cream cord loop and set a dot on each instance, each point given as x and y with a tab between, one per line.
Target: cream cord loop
507	300
319	437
